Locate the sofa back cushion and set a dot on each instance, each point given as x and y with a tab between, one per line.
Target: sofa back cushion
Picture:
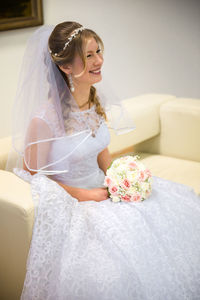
180	129
144	110
5	146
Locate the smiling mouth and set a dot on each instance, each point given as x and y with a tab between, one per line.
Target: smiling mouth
96	72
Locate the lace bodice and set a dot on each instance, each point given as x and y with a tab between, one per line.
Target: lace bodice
74	120
82	164
85	136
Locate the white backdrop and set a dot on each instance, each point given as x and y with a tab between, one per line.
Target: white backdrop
150	46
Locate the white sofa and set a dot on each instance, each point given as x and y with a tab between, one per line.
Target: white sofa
167	138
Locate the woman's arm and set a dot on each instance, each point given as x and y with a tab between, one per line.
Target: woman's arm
96	194
36	153
104	160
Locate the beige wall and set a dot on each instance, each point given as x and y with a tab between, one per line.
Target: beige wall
150	46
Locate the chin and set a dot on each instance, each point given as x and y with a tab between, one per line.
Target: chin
97	80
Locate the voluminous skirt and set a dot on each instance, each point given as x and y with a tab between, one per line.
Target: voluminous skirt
121	251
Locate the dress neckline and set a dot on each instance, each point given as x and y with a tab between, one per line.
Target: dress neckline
85	110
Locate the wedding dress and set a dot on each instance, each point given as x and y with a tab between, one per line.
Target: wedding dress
110	251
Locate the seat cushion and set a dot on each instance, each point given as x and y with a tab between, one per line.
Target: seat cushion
178	170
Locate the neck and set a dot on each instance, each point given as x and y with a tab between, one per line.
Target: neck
81	95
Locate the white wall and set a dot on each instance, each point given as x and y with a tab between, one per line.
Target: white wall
150	46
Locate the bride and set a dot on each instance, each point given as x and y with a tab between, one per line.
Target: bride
85	247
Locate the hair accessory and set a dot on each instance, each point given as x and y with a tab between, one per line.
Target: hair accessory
72	36
71	83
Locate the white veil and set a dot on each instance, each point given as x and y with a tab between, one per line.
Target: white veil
38	117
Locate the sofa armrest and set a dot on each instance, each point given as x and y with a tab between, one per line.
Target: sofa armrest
16	223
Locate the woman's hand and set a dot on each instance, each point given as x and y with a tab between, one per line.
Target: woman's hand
98	194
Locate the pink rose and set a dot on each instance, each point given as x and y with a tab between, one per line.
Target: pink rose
142	176
107	181
136	198
113	189
126	183
126	198
132	165
148	172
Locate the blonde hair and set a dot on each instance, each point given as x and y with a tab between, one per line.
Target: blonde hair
62	57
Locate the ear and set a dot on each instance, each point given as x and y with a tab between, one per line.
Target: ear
67	69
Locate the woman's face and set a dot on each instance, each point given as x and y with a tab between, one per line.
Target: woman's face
94	62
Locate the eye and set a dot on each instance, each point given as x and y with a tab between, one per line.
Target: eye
90	55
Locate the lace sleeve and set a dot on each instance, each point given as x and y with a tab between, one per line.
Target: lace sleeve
47	113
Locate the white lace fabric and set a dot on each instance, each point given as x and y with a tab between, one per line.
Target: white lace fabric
74	121
87	119
116	251
47	113
106	250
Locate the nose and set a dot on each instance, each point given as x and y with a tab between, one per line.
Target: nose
98	59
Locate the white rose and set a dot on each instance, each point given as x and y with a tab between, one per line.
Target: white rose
145	186
111	173
132	190
121	168
115	199
132	176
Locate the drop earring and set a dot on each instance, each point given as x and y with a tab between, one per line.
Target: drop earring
71	83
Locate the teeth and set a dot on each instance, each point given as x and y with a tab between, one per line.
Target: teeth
95	71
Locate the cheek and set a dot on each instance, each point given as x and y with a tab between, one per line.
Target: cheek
78	70
89	65
78	65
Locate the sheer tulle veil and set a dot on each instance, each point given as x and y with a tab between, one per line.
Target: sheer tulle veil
42	90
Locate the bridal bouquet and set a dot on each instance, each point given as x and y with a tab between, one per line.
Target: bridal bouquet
127	179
